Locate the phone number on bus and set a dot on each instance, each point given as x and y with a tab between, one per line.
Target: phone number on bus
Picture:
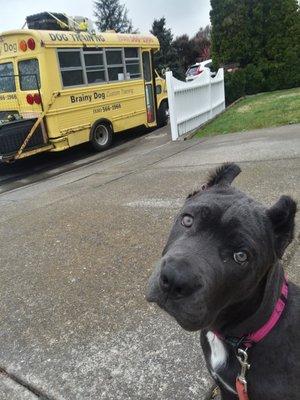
107	108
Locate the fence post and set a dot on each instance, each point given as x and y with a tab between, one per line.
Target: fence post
172	109
210	97
223	89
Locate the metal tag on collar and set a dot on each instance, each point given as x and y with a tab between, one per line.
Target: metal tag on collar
235	342
242	357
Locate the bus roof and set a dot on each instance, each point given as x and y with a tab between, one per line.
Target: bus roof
78	39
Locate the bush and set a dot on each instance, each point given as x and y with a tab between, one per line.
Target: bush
246	81
283	75
264	77
254	79
234	85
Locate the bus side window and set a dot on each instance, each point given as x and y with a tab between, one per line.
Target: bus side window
71	67
29	74
132	63
94	66
114	64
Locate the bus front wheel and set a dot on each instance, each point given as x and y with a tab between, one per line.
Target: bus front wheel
101	136
163	114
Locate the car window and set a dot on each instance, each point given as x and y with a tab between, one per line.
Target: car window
192	70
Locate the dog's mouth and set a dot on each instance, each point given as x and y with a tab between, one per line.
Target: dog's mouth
188	321
178	310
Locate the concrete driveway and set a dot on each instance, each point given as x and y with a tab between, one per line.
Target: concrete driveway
76	251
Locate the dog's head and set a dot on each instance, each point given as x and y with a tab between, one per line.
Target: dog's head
221	247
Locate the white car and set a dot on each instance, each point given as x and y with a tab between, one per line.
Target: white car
196	69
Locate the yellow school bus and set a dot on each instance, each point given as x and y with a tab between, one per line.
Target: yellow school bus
59	89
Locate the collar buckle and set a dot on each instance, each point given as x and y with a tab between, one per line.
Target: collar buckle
237	342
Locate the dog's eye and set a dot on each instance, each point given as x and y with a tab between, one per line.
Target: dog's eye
187	220
240	257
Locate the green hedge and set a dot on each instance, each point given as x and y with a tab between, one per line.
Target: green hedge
264	77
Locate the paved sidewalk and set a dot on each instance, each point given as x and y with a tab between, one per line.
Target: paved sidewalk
76	252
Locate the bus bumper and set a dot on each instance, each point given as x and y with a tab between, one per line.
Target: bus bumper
13	134
8	158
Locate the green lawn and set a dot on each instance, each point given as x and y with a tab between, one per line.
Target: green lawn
260	111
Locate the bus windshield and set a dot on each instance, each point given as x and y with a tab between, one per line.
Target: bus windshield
7	79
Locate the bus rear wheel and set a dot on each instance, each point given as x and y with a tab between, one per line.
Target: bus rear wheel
101	136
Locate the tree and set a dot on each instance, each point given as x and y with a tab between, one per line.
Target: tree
191	50
112	15
231	39
201	43
280	42
185	51
166	57
204	33
262	37
247	31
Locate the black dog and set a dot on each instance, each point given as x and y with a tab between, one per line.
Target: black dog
220	273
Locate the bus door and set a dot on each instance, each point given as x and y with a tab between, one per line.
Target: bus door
21	110
149	88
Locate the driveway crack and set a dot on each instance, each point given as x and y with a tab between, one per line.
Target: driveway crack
39	393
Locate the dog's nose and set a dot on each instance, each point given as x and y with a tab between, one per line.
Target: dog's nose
176	279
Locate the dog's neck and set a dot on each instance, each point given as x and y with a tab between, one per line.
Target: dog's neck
250	314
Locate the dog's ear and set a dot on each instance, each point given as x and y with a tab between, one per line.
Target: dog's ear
224	175
282	216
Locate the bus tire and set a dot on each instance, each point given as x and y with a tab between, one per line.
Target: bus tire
101	136
163	114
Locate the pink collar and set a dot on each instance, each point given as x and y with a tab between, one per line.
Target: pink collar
255	337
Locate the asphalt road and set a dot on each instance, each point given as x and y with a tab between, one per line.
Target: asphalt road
45	165
77	249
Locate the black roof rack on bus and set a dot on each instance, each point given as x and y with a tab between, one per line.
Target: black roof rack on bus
51	21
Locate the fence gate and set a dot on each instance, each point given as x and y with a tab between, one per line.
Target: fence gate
191	104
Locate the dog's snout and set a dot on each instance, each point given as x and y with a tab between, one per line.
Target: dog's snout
176	278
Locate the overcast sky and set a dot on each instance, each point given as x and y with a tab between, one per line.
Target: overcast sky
183	16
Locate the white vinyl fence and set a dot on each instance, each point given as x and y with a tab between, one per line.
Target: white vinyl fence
191	104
